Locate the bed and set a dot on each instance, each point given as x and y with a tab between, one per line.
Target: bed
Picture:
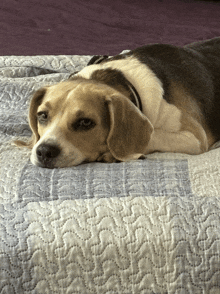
146	226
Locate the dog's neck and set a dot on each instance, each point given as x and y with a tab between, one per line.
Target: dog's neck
116	79
135	98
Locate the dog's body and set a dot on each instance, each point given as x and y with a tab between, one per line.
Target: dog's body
154	98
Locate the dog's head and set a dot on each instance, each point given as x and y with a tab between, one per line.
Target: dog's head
83	121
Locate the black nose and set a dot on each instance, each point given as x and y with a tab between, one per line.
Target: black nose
46	153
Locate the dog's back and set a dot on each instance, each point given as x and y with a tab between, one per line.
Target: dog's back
209	55
196	67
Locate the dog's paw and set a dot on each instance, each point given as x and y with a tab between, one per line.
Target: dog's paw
107	157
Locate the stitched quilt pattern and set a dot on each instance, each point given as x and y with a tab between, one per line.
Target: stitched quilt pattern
147	226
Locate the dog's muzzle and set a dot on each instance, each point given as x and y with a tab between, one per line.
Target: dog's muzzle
46	154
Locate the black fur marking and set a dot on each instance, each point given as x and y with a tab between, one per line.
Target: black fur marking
72	74
97	59
196	67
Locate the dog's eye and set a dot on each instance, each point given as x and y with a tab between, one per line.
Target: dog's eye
83	124
42	116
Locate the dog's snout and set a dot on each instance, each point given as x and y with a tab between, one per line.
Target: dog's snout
46	153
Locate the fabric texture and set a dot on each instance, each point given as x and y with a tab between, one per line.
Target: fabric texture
147	226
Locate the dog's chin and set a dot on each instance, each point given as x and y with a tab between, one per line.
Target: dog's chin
105	157
52	165
55	163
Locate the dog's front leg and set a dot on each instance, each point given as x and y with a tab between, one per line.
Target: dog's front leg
107	157
180	142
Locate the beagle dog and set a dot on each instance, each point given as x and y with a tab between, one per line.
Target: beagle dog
154	98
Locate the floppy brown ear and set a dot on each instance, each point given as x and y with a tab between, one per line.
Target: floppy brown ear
35	102
130	129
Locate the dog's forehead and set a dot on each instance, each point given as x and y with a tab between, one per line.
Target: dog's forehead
77	92
85	98
59	91
69	97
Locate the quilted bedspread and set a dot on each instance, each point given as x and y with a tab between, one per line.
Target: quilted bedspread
147	226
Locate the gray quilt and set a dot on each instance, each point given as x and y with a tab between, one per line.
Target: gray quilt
148	226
